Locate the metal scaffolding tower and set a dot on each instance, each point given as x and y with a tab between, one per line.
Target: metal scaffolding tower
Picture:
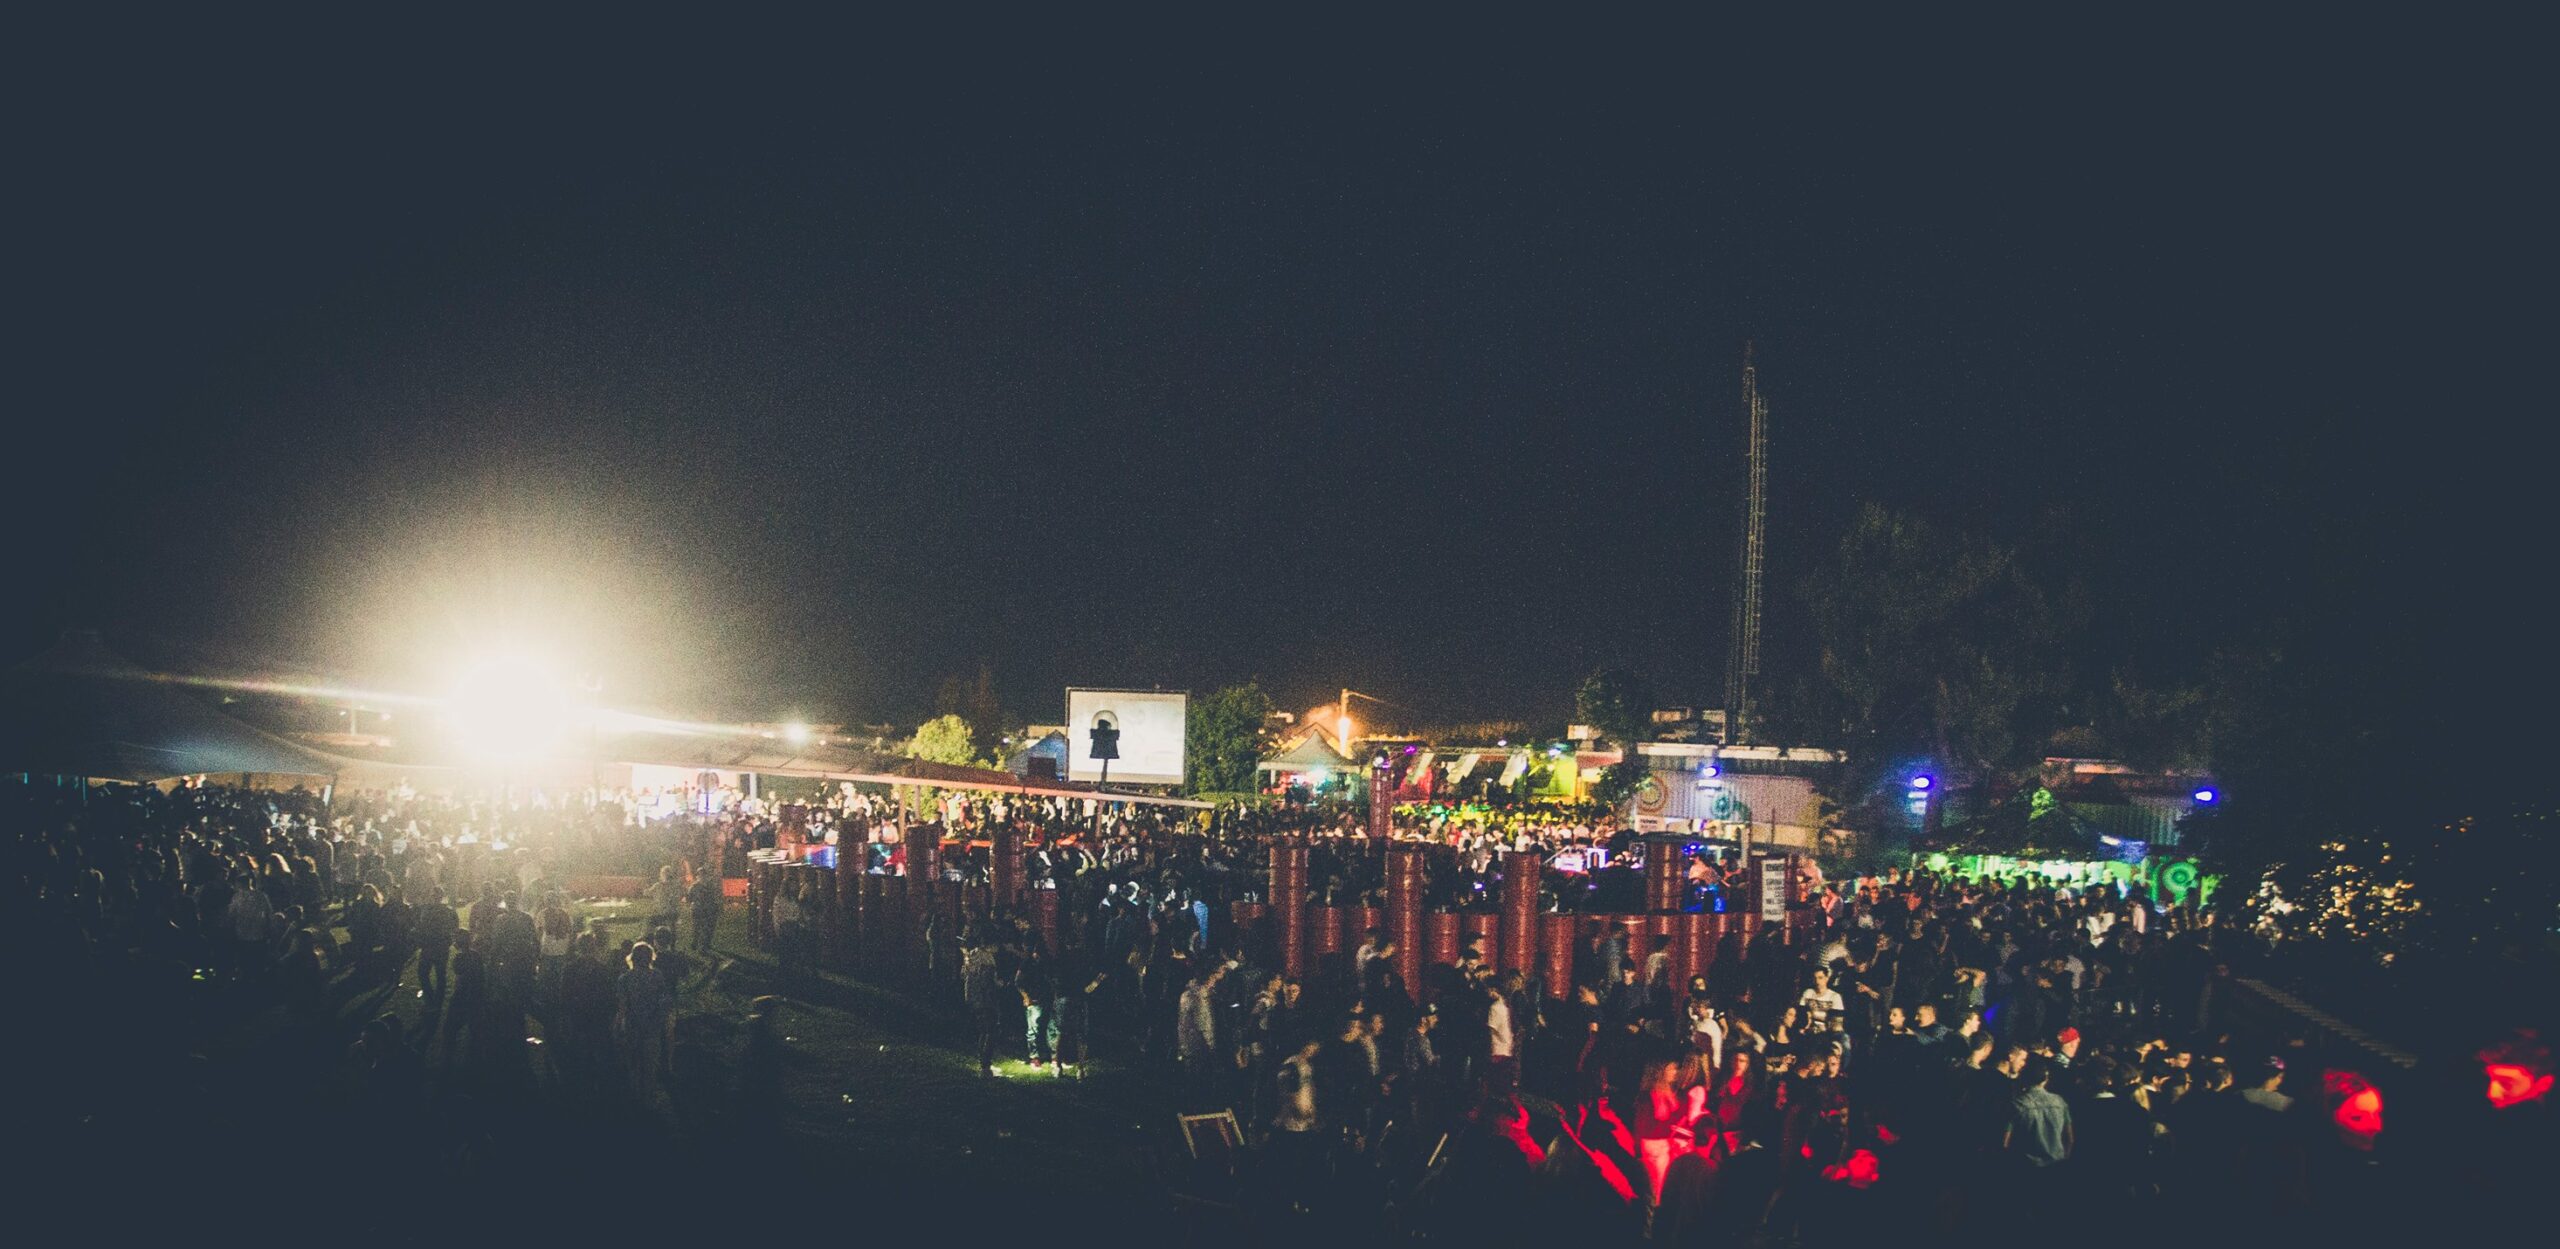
1742	658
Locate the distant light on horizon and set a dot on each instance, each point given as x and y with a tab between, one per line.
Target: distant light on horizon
508	707
2206	796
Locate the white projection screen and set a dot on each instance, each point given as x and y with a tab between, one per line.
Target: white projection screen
1151	725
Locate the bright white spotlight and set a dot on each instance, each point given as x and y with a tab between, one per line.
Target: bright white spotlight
508	708
796	733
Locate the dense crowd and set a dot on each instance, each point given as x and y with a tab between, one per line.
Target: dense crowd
237	971
1929	1056
1932	1056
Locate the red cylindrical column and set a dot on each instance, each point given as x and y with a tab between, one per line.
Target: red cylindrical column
1670	937
898	907
1698	946
1663	878
761	879
1253	931
1639	930
1289	905
852	886
1520	871
1556	945
1044	913
880	922
924	890
1004	867
1405	886
1325	925
1484	925
830	917
1440	929
847	935
924	851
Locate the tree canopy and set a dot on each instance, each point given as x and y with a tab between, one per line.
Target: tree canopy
1223	739
975	701
943	739
1616	703
1934	649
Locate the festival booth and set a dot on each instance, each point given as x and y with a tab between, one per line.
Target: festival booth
1311	762
876	894
901	920
2040	838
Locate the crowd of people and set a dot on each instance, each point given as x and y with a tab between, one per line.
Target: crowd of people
1914	1054
1930	1054
271	966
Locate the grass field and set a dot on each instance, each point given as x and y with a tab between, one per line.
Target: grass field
881	1091
158	1108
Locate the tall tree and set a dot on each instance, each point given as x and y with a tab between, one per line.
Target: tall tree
1616	703
984	713
973	699
1224	738
1932	645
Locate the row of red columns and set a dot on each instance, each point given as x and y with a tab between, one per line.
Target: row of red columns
877	923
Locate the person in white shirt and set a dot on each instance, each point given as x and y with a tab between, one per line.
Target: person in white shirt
1821	1006
1706	1034
1497	1030
1370	948
1296	1112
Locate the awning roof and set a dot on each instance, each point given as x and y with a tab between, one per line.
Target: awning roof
846	763
1311	751
81	709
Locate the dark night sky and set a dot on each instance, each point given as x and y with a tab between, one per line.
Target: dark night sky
761	393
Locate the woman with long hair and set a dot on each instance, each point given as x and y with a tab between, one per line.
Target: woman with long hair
1663	1117
1731	1094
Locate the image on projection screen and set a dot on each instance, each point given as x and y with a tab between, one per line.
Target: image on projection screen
1150	735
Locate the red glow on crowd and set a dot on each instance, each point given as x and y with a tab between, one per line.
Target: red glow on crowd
2355	1106
2513	1084
1859	1171
2518	1069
